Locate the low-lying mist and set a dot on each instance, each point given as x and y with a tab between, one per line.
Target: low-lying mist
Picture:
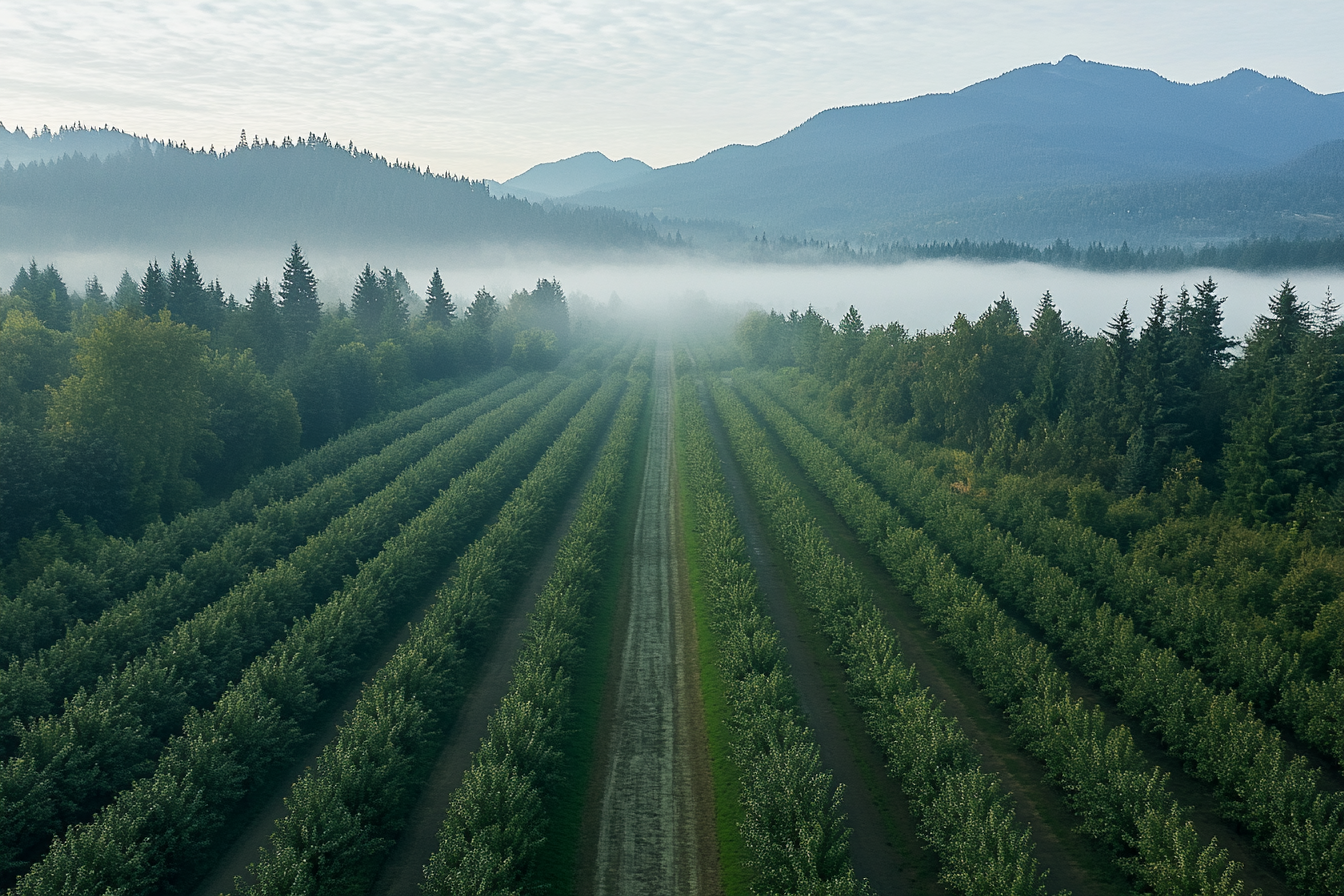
920	295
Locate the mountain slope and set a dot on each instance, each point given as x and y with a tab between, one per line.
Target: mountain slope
874	169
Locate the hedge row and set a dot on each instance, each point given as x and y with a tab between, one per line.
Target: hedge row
164	826
499	816
69	591
963	813
1232	650
345	814
37	685
796	837
1018	673
69	764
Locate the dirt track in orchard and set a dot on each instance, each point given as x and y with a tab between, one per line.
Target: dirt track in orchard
654	832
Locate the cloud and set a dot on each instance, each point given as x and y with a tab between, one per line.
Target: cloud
490	88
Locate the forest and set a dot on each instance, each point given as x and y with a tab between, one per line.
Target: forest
423	594
123	405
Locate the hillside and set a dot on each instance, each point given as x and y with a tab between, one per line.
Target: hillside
312	190
944	165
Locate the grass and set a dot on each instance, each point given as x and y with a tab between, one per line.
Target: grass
735	875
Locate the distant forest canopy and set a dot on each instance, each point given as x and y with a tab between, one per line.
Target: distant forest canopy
1252	254
138	400
261	193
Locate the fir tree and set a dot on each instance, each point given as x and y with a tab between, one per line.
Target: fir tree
299	305
127	297
439	307
367	303
483	310
94	295
155	294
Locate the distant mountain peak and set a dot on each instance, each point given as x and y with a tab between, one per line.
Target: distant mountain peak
585	171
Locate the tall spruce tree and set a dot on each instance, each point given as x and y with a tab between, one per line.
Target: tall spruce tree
299	306
367	304
155	294
439	307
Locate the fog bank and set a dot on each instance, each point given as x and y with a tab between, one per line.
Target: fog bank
920	295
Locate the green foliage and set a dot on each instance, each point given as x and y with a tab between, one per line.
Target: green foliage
962	812
1218	736
171	816
139	384
535	349
795	835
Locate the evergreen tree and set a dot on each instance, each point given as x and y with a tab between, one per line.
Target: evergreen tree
191	302
155	294
268	339
439	307
94	295
46	292
1048	349
127	297
367	304
299	305
395	312
483	310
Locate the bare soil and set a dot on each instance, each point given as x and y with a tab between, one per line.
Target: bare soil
653	833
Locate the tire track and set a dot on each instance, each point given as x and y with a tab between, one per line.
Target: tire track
655	804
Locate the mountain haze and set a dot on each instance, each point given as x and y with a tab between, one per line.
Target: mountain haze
894	170
586	171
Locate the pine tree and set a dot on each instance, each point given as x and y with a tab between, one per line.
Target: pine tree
127	297
268	339
191	302
395	312
367	304
439	307
94	295
299	305
155	294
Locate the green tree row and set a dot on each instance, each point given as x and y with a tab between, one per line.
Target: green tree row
345	813
69	764
963	813
90	650
1123	801
245	535
796	837
160	828
1276	796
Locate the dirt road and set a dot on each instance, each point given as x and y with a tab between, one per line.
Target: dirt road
654	829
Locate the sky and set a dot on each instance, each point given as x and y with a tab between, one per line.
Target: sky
488	89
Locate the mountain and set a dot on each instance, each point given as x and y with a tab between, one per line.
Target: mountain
587	171
894	170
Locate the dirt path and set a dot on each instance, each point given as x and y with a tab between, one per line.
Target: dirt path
654	829
882	844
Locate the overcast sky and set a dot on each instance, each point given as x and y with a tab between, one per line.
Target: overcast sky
488	89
